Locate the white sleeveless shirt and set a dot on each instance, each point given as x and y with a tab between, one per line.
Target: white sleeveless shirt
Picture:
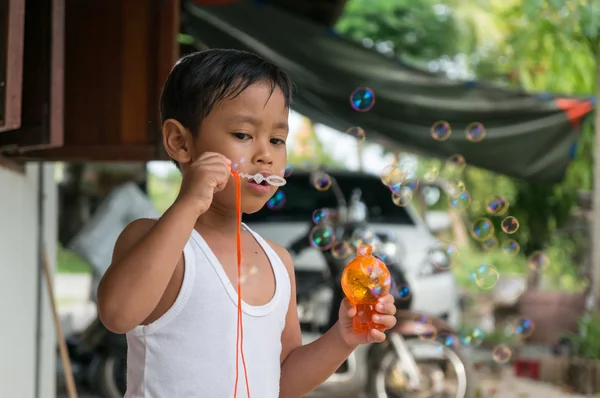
189	352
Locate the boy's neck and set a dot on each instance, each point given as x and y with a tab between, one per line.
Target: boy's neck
216	221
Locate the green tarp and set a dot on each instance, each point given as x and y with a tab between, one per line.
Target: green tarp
530	137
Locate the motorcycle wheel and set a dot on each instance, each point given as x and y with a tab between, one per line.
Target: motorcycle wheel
385	378
110	377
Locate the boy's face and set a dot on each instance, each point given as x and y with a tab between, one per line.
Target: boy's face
251	130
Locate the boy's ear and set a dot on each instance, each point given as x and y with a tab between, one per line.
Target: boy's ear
178	141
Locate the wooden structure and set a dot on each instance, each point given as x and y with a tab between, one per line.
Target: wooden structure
81	81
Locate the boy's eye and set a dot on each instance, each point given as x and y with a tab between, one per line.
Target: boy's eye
277	141
241	136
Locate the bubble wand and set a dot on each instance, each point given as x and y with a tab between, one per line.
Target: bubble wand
364	281
274	180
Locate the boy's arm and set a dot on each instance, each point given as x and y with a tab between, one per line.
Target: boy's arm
144	259
305	367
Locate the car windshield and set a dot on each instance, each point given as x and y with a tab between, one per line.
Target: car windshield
302	199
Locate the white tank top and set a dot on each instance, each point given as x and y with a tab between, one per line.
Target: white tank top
189	352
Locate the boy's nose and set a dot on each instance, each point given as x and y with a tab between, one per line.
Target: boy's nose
264	157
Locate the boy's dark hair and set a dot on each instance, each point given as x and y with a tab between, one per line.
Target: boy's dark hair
200	80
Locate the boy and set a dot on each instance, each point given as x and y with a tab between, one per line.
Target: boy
171	283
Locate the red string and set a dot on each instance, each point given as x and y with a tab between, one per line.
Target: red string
239	339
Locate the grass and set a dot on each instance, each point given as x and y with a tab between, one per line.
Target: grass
70	263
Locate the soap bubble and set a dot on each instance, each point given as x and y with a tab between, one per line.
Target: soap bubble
403	292
475	132
321	181
524	327
341	250
511	247
322	237
247	273
431	174
486	276
455	164
448	340
441	131
510	225
237	165
472	337
320	215
501	354
362	99
461	202
357	133
287	171
277	201
448	255
392	175
424	329
490	243
482	229
497	206
402	200
538	261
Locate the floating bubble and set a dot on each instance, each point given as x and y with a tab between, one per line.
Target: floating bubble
322	237
475	132
461	202
320	215
287	171
277	201
403	292
448	340
497	206
490	243
357	133
510	291
247	273
341	250
472	337
236	165
362	99
486	276
510	225
444	256
538	261
402	200
424	329
456	164
482	229
441	130
511	247
392	175
431	174
501	354
524	327
321	181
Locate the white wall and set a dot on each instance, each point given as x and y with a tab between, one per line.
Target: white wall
18	283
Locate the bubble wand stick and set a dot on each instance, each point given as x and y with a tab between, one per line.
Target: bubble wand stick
239	343
364	281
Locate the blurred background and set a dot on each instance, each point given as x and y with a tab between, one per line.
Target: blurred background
473	123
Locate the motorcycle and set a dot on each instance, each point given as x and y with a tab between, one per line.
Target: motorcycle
421	357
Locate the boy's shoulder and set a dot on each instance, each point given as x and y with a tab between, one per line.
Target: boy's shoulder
283	254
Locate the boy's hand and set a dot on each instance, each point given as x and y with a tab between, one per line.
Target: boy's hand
385	317
203	178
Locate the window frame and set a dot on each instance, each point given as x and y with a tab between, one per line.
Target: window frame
15	37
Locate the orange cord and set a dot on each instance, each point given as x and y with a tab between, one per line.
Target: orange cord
239	339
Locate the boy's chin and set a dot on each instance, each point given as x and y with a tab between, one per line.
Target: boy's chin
252	206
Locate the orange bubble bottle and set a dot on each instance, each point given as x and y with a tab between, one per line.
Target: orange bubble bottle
364	281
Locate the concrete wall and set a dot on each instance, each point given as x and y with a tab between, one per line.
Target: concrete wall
18	283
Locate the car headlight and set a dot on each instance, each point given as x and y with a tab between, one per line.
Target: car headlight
437	262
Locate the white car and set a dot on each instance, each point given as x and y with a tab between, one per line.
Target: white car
434	289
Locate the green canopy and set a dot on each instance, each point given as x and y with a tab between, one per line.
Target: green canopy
531	137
